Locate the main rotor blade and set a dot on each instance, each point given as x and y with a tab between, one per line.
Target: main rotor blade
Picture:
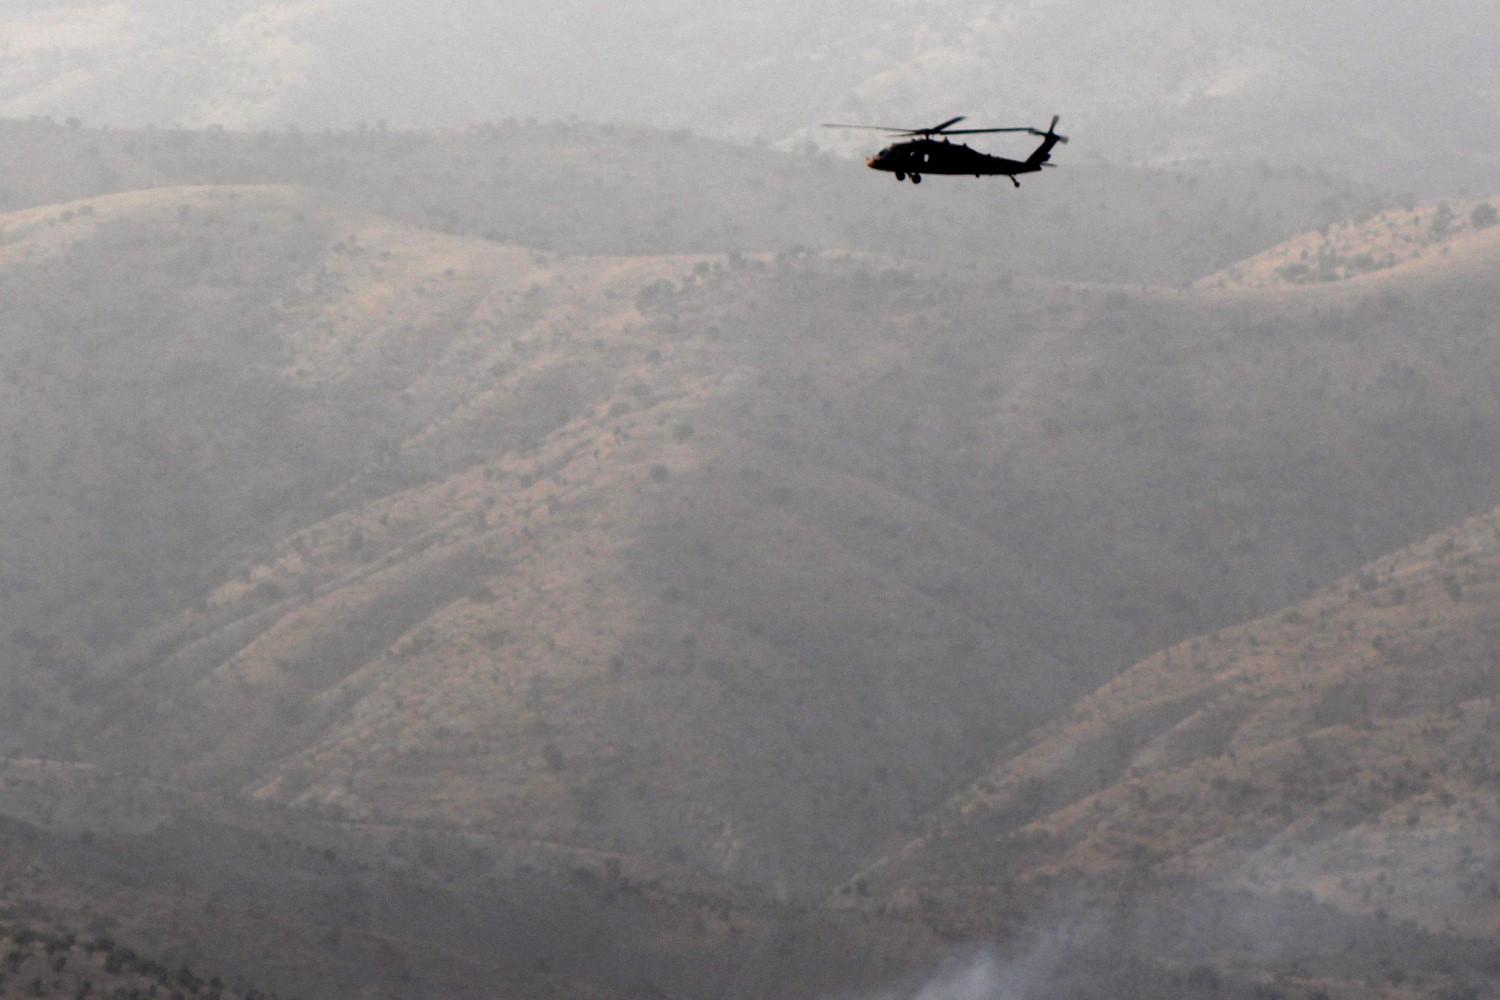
873	128
943	127
978	131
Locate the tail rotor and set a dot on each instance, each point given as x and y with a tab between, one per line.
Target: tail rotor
1050	138
1051	132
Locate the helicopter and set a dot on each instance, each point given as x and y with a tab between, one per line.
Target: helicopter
925	154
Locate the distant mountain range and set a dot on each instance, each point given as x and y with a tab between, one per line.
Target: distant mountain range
1403	96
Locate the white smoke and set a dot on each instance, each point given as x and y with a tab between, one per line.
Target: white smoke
1027	970
983	975
980	977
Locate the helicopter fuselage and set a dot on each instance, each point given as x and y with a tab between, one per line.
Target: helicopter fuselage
931	156
921	151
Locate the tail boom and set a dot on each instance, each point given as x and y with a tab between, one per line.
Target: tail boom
1043	153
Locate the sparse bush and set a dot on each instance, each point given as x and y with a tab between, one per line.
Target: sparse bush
269	590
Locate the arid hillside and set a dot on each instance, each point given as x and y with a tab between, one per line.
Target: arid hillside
604	189
44	961
1335	763
152	916
741	564
308	906
1388	239
395	609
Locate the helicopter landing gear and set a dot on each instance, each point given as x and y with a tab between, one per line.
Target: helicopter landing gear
916	178
900	175
1014	181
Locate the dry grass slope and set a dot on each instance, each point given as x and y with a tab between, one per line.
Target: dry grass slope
1444	236
1341	750
688	570
599	552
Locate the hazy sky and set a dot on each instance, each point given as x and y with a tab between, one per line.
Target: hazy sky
1370	88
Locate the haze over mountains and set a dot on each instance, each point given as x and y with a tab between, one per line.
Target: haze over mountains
547	559
1398	95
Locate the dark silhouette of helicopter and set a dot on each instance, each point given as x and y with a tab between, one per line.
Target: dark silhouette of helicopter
925	154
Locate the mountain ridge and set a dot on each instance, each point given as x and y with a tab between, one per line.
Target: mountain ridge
1158	83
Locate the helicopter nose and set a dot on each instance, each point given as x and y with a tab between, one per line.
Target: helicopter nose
873	163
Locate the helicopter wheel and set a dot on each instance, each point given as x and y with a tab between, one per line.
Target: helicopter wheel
900	176
916	178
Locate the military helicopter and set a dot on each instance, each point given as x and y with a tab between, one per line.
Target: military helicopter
925	154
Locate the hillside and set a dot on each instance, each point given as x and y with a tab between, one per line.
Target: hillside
106	915
1339	753
1389	239
49	962
316	907
603	189
630	554
602	614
